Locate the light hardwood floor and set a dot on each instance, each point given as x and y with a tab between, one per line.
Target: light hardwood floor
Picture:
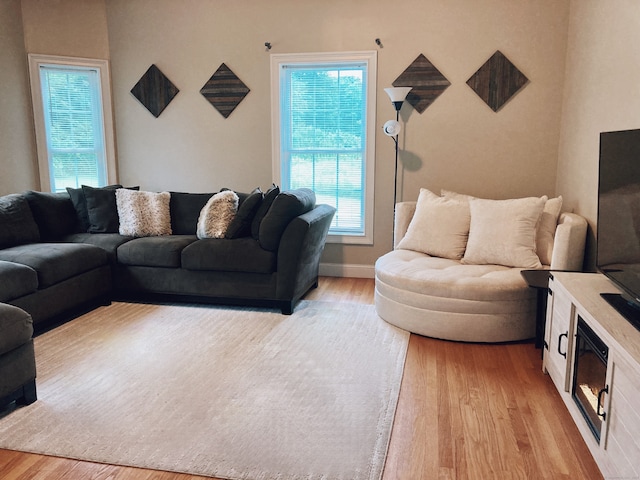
466	411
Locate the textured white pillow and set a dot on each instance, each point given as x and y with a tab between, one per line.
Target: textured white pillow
143	214
439	227
547	225
547	229
503	232
217	214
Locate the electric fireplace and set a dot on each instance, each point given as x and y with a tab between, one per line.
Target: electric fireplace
589	376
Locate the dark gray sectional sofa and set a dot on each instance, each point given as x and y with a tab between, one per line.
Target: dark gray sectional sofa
52	266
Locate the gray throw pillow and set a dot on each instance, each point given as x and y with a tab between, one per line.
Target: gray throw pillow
269	197
241	224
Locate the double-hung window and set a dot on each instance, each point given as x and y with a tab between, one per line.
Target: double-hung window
74	127
323	108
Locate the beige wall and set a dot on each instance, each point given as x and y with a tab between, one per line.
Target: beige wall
69	28
602	93
18	169
457	143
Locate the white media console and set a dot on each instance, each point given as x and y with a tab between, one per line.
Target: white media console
616	405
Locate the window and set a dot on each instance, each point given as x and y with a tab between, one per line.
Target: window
74	128
324	132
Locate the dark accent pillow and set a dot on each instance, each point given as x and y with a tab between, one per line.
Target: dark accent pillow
184	209
240	226
16	219
54	214
102	209
269	197
80	205
287	206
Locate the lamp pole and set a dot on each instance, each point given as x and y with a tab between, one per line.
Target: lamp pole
392	129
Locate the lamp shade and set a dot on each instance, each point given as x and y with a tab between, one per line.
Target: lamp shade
391	128
398	94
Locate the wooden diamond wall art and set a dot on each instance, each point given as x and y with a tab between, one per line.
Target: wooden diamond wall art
427	82
154	90
497	81
224	90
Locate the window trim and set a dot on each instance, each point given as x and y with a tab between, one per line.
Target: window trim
370	58
102	66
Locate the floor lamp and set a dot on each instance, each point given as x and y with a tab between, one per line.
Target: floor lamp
392	129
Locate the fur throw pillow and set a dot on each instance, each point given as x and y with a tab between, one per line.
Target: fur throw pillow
217	214
143	214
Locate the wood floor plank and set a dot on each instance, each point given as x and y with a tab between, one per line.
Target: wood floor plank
465	411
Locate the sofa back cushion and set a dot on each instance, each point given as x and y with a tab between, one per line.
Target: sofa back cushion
286	206
17	225
54	214
185	209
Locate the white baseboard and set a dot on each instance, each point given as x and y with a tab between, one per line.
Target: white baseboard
345	270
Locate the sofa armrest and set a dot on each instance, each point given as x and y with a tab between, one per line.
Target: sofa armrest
569	242
402	217
299	252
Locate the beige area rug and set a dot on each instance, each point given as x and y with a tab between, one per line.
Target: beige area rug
225	392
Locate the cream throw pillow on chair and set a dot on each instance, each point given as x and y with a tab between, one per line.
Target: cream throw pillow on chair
439	227
503	232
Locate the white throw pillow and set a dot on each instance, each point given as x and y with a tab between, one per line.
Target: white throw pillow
547	225
143	214
503	232
439	227
217	214
547	229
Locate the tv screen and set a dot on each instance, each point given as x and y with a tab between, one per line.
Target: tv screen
618	230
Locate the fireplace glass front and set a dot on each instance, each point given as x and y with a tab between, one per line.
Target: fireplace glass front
589	376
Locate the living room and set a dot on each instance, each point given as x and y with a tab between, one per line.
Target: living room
580	59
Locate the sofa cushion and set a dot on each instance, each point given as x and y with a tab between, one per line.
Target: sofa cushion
285	207
240	226
439	227
185	209
451	280
54	214
143	214
217	214
17	280
16	328
55	262
79	202
161	251
221	254
102	209
503	232
109	242
264	207
17	225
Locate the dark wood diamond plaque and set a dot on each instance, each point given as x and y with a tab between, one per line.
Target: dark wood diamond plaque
427	82
154	90
224	90
497	81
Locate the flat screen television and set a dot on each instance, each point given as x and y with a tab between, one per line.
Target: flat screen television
618	229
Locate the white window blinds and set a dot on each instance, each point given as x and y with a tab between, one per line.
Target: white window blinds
72	111
324	125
